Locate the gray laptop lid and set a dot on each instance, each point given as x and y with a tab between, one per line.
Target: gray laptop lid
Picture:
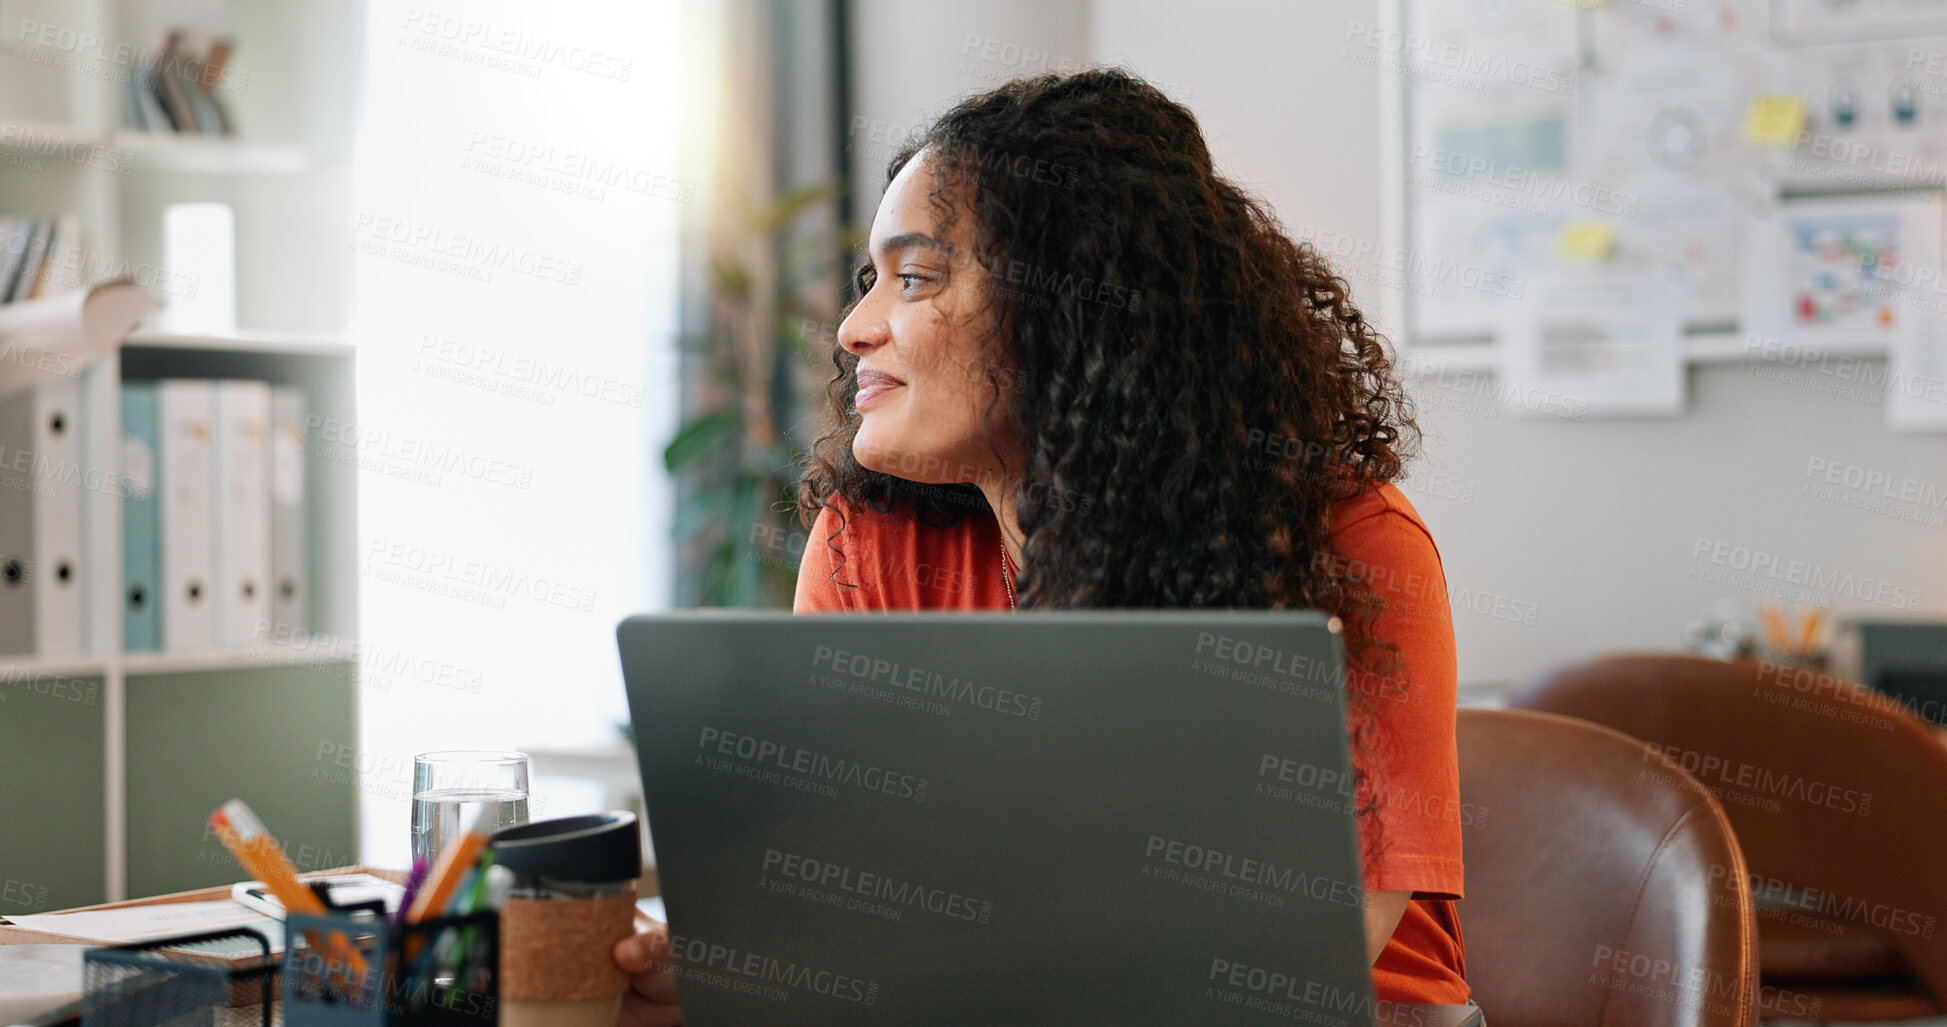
1057	818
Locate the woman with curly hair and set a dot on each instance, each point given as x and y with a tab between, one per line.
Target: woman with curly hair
1086	371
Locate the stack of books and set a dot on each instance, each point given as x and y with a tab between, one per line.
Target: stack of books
41	256
181	90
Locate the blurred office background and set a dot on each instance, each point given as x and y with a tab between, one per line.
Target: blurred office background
565	245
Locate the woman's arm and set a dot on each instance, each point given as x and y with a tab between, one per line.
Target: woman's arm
1411	839
1412	845
1383	910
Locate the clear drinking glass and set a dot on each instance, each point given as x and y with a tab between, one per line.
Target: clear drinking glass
448	787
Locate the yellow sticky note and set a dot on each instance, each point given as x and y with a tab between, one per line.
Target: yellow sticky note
1774	121
1585	240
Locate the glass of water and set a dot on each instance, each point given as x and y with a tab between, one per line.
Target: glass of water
448	788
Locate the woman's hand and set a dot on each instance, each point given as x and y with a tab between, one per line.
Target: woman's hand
644	956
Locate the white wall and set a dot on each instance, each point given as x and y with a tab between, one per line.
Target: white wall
913	58
1587	530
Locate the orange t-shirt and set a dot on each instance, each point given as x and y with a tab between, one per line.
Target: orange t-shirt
898	563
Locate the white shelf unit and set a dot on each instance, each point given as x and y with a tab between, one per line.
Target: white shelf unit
205	155
326	374
67	146
154	151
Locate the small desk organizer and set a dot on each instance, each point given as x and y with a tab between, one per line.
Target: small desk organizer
141	985
397	988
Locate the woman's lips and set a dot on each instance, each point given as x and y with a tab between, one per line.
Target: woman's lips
872	385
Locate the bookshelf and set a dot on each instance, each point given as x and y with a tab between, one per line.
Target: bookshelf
112	759
157	151
134	708
197	155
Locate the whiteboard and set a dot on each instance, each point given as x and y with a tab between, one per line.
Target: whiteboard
1642	140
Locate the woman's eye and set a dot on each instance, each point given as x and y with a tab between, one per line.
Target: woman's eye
910	279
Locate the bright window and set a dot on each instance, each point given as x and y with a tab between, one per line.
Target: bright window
515	197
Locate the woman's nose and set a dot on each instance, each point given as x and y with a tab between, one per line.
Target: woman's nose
862	330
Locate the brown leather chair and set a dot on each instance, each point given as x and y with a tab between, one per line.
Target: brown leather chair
1839	799
1593	892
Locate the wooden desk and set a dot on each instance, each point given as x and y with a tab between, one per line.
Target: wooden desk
1402	1014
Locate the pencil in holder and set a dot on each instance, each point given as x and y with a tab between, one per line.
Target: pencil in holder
363	971
167	981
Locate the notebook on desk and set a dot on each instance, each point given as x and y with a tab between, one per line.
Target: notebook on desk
1063	818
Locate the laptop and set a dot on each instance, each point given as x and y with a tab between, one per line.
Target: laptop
1110	817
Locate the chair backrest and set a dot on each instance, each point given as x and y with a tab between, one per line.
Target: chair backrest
1838	793
1595	889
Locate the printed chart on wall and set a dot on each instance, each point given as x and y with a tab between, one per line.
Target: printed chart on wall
1809	22
1873	119
1857	275
1916	388
1487	157
1768	169
1668	95
1593	345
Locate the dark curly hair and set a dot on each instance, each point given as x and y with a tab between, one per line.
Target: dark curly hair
1193	389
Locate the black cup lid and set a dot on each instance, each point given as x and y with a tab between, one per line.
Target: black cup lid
594	848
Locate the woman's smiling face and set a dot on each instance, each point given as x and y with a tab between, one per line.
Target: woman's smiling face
923	399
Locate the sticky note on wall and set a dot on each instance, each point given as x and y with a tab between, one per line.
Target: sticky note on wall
1585	240
1774	120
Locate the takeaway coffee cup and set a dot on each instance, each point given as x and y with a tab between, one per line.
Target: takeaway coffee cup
573	898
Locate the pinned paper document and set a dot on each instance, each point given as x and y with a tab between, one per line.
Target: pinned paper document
1590	239
1774	120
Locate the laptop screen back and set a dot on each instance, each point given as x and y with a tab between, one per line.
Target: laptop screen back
1059	818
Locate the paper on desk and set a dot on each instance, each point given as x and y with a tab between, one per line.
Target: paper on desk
345	890
160	920
36	979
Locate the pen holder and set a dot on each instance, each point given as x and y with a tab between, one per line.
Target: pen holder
154	982
437	972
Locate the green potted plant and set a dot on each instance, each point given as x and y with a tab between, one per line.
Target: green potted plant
758	373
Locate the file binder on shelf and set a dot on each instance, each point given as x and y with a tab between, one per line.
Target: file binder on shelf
243	509
16	548
141	527
40	520
290	598
184	414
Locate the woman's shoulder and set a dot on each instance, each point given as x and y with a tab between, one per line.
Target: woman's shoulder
1378	533
1381	509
